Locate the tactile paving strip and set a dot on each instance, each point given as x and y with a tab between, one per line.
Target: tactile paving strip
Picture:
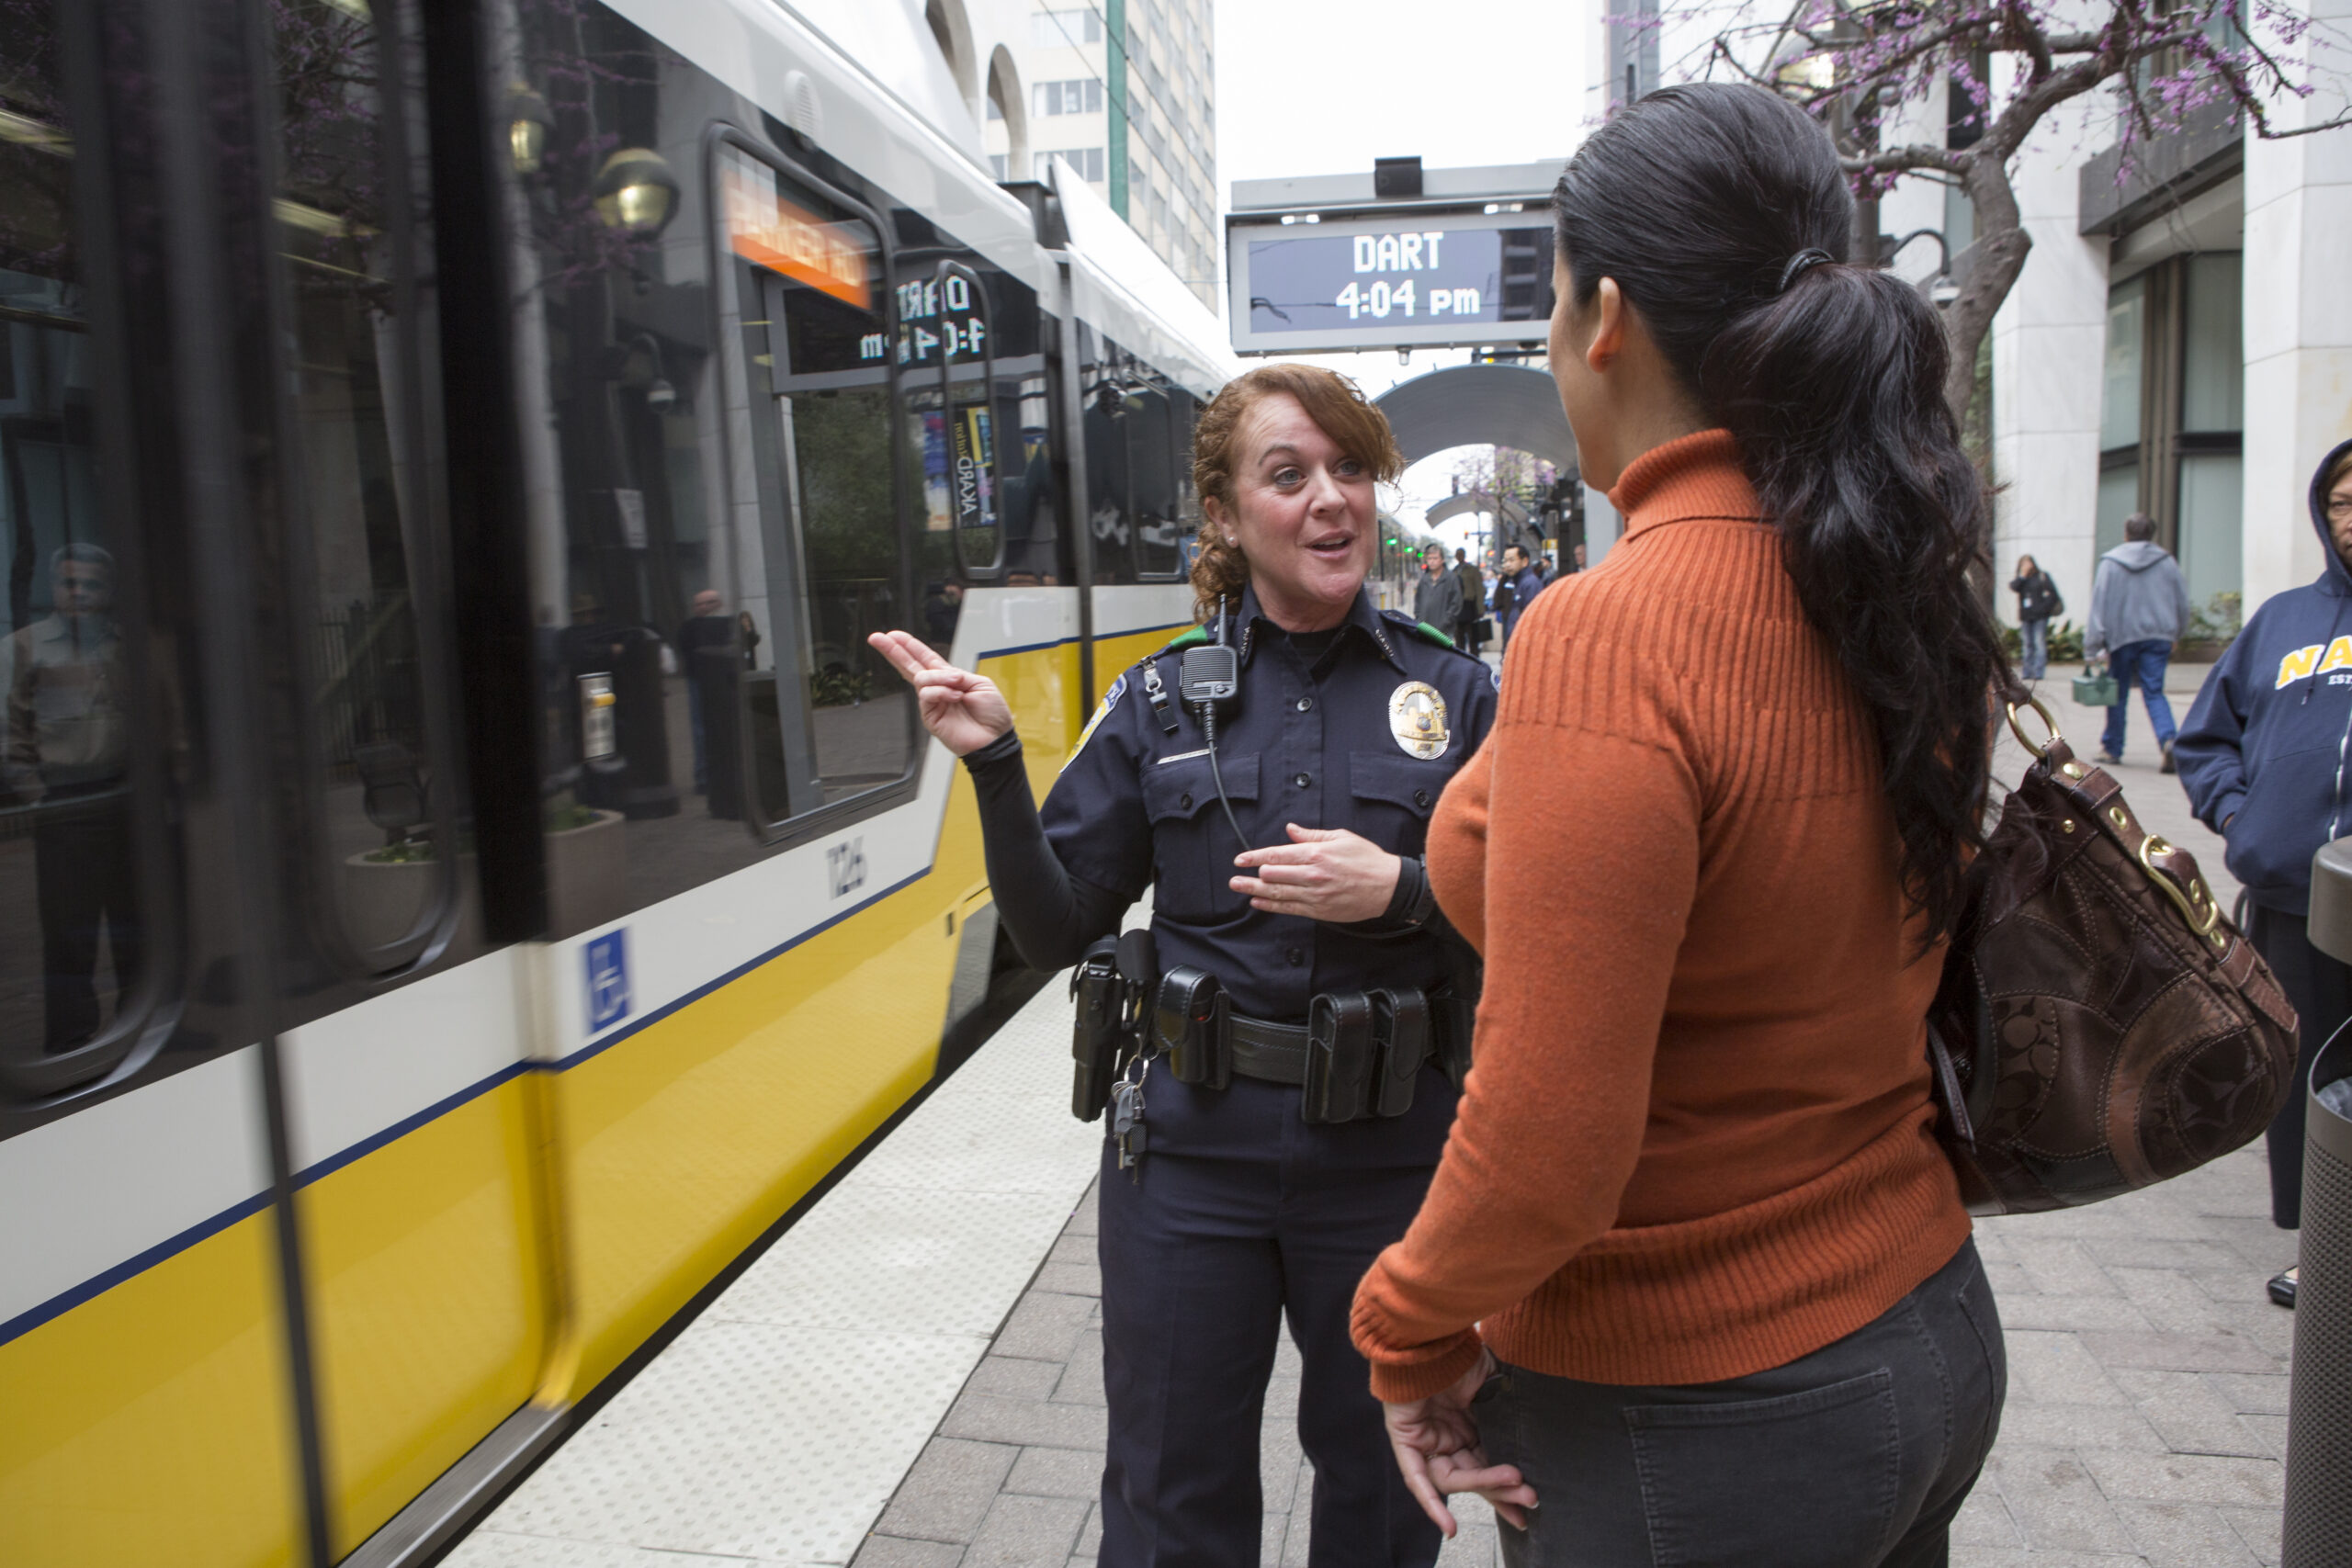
773	1431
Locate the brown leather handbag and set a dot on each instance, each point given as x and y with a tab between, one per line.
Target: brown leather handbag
2101	1025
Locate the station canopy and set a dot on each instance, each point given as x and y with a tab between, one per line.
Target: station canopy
1399	257
1480	405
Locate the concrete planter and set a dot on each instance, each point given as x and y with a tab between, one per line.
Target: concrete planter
587	885
382	900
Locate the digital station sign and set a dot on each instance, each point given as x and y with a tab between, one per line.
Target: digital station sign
1390	282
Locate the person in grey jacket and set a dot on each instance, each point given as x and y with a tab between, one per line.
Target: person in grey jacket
1437	598
2139	608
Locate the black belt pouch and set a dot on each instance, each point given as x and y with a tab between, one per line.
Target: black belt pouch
1400	1034
1339	1057
1188	1021
1096	989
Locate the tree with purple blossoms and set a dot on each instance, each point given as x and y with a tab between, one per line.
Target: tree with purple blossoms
1864	70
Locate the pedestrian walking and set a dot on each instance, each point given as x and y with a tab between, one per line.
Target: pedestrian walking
2139	608
1694	1271
2038	605
1437	597
2261	758
1242	1186
1474	602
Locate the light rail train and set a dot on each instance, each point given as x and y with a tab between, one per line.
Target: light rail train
463	878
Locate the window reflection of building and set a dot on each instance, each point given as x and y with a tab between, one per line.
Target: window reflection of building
2171	426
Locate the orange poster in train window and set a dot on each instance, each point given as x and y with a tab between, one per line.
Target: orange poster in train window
767	231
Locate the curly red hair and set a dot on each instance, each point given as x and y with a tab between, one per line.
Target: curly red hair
1339	409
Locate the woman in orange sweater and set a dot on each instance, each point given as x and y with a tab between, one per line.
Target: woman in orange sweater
1694	1282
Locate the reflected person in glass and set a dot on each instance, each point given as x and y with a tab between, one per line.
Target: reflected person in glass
67	753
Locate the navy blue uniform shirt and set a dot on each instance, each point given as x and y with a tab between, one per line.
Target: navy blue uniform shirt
1310	741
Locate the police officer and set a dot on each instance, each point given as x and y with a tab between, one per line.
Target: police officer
1285	865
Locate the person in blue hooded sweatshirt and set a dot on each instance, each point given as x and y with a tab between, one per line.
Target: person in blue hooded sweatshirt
2139	608
2263	759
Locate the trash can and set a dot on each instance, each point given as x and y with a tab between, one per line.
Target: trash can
2318	1527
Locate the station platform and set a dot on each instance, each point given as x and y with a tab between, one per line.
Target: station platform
911	1376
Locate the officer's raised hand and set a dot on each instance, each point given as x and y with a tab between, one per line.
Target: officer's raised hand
962	710
1325	873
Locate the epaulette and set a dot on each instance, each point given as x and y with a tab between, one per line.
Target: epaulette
1191	637
1422	629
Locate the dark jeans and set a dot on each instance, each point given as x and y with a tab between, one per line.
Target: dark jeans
2139	664
2033	644
2320	989
1855	1456
1203	1261
84	884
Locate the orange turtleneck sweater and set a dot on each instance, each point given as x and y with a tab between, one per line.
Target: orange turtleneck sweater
1697	1139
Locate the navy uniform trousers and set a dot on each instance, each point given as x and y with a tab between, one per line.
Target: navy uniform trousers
1202	1259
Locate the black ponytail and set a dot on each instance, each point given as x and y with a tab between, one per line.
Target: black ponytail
1699	201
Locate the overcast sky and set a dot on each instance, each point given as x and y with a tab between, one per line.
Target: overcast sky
1324	87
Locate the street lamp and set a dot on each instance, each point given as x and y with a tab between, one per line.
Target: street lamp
528	122
636	191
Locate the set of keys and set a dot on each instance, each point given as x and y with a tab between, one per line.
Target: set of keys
1127	1130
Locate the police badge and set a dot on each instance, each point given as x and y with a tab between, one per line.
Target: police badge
1417	718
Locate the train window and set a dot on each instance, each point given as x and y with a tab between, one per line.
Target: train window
380	745
1141	510
1109	516
74	926
1161	443
1026	469
990	500
824	718
658	655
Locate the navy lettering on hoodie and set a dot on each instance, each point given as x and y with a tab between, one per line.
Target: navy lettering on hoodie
2265	741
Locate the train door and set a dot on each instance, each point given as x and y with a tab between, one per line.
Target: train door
413	1131
275	1261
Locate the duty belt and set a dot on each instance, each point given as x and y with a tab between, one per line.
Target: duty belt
1357	1055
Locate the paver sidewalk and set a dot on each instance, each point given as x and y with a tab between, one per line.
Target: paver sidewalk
2146	1417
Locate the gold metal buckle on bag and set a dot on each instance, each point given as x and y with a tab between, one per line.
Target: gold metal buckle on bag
2207	925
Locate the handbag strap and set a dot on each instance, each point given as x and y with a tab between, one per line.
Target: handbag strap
2099	795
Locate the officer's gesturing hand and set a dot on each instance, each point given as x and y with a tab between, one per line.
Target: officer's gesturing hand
1325	873
964	710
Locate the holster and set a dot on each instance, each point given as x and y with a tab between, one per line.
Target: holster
1098	1028
1109	986
1400	1037
1188	1021
1339	1057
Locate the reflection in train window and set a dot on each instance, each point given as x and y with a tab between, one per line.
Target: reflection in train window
72	935
358	420
647	643
825	717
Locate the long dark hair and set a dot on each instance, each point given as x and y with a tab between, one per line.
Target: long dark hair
1702	202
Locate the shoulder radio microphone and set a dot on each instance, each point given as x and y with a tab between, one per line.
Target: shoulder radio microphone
1209	680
